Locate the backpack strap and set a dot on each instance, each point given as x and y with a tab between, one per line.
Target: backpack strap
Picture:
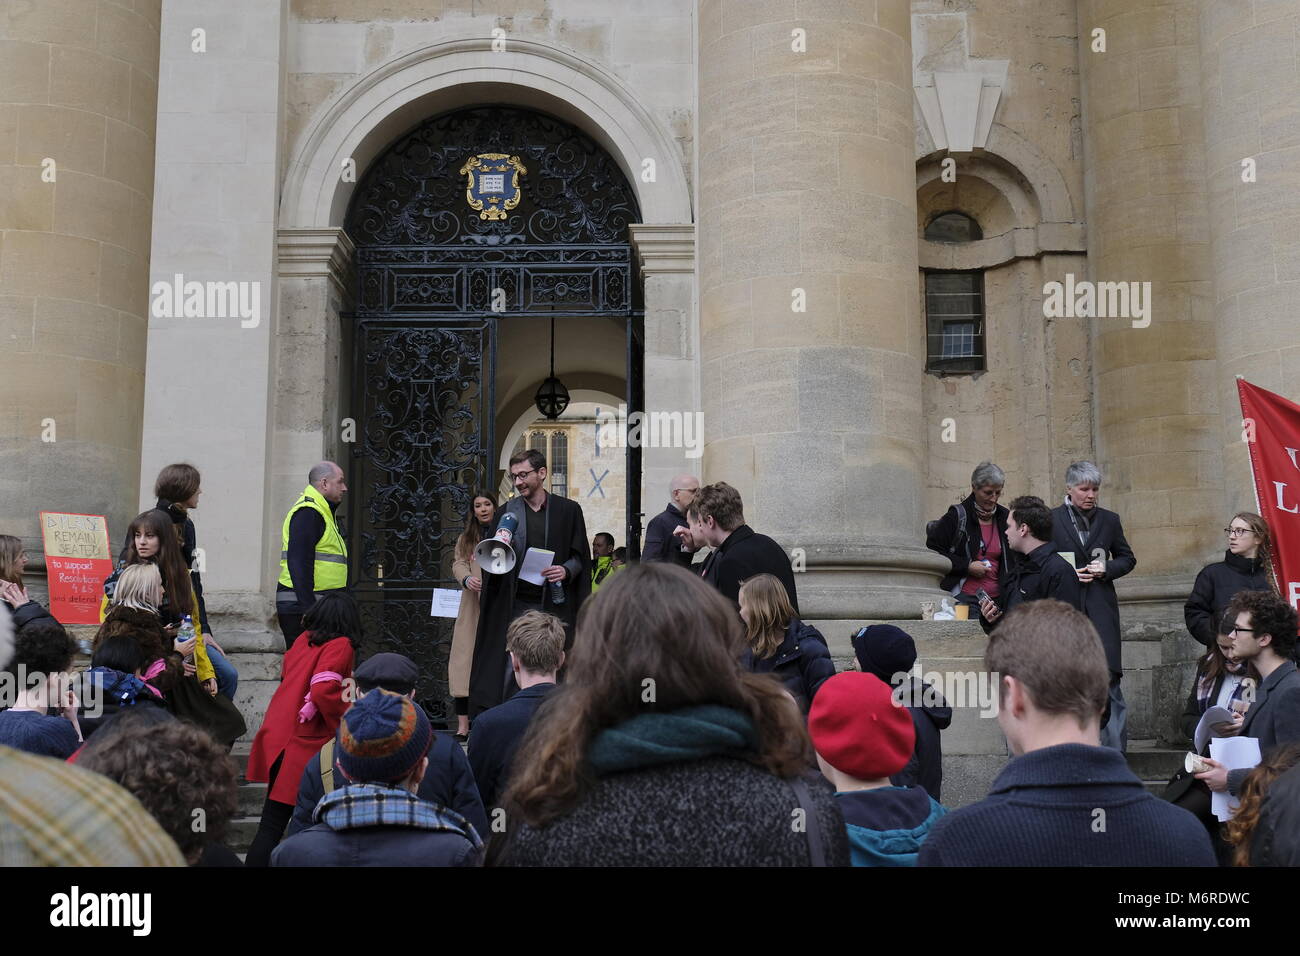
959	539
812	828
327	766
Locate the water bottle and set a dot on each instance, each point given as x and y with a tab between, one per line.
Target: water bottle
185	633
557	592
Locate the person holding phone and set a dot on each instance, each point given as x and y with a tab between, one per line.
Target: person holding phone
972	535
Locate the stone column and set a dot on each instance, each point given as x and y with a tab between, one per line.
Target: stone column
807	201
78	89
666	253
1154	392
312	374
210	386
1252	88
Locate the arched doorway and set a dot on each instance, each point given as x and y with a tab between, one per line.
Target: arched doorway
476	218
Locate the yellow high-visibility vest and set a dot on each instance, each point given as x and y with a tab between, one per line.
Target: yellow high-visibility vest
331	564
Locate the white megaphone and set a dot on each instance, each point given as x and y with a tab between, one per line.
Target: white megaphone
495	554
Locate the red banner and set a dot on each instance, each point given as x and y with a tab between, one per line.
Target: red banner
76	561
1270	426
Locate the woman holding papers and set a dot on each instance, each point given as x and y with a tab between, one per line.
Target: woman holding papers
478	524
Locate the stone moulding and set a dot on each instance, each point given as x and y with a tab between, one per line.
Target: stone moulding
356	123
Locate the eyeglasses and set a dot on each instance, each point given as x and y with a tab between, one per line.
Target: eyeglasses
516	475
1236	532
1242	630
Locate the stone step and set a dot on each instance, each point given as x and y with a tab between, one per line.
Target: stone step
1151	761
240	832
251	798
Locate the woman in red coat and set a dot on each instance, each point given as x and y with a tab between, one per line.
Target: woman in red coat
304	713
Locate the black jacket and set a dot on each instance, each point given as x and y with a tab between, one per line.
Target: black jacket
1105	540
660	545
26	613
743	555
1042	573
448	782
1214	590
943	537
495	737
1276	841
930	715
1273	717
802	662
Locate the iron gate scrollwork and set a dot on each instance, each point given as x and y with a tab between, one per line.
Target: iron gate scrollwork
433	277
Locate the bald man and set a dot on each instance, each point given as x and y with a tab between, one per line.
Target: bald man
313	554
660	543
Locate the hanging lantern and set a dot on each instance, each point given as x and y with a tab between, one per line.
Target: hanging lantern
552	397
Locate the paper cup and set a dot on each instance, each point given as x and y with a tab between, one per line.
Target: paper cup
962	612
927	610
1195	763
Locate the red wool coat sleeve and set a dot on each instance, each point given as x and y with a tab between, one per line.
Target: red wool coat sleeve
328	695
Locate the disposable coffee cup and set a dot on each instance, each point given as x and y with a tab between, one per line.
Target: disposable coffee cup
962	612
927	610
1195	763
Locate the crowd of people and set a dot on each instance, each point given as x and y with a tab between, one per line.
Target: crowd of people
671	711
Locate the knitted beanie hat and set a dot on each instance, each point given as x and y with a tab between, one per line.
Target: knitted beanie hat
858	729
884	650
382	738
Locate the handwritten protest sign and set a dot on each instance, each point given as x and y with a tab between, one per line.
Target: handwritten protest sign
77	562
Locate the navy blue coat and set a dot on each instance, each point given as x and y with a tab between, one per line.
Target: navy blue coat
495	737
802	662
660	545
1044	808
930	715
448	782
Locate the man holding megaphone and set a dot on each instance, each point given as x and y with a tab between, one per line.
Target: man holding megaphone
532	519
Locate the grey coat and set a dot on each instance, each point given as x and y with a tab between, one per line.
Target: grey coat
1273	718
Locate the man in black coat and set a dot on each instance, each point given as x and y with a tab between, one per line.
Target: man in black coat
546	521
1041	572
661	544
1265	636
1101	554
536	645
448	781
717	519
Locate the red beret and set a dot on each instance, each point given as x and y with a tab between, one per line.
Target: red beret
858	729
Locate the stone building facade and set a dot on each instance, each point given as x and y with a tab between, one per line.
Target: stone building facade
788	158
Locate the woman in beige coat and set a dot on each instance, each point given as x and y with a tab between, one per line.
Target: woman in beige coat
477	525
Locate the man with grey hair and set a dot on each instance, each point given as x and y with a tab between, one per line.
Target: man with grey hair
313	554
1094	538
661	544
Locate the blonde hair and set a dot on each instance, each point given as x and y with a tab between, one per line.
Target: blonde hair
139	586
768	607
537	641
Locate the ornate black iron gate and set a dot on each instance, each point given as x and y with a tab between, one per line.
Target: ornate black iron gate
443	251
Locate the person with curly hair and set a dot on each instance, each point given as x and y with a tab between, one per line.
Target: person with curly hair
1265	637
1256	791
179	774
42	657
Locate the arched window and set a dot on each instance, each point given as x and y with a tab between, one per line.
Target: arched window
559	459
954	303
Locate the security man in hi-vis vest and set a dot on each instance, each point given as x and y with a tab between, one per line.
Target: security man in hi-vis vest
313	554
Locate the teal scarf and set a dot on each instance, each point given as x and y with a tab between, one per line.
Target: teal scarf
691	733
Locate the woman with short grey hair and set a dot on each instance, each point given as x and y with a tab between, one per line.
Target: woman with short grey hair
972	535
1095	538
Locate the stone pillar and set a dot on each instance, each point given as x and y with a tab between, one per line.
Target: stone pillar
210	382
78	89
312	372
1155	396
807	200
1156	403
1252	88
666	253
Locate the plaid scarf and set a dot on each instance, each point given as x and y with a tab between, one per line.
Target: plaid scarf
1205	686
375	804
